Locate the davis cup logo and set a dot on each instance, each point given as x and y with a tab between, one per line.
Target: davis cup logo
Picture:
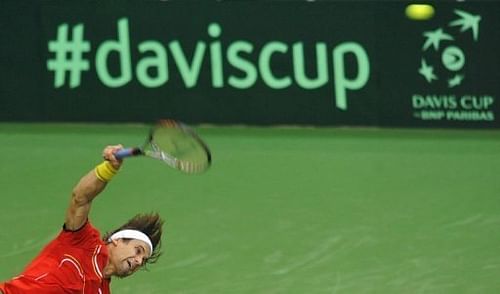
443	60
443	68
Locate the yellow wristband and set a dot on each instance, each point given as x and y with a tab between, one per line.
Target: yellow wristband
105	171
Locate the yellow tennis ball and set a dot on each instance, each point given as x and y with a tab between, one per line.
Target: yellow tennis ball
419	11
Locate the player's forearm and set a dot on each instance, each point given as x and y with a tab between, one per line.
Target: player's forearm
83	193
93	183
87	188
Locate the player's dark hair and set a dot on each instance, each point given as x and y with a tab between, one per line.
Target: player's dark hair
151	225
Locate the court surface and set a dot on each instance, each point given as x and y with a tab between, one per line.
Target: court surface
282	210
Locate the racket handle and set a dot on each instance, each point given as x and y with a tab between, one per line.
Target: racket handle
127	152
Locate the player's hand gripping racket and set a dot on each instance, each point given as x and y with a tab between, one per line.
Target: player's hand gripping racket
175	144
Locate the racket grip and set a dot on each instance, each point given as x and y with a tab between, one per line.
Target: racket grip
127	152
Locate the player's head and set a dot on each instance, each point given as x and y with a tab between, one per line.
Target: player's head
135	244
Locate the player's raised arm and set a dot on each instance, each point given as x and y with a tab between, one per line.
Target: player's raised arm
89	187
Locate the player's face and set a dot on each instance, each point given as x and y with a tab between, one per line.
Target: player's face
129	256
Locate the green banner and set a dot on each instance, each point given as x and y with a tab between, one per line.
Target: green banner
320	63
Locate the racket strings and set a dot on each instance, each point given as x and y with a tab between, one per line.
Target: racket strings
191	167
179	147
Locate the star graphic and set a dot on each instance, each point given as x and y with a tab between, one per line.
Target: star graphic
467	21
434	37
455	81
427	71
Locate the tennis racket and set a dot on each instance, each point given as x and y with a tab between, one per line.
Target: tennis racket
175	144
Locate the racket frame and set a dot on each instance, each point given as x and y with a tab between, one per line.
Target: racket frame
157	153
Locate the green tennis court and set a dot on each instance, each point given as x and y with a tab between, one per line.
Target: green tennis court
282	210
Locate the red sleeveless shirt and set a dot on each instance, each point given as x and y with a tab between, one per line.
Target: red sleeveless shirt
71	263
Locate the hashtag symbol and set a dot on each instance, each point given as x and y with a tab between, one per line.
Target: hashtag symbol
68	56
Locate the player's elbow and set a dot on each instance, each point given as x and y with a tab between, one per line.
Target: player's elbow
78	198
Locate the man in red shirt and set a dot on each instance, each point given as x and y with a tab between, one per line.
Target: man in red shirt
78	260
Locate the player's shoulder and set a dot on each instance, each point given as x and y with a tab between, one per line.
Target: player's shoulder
87	234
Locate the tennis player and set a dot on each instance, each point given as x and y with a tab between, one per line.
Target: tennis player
78	260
